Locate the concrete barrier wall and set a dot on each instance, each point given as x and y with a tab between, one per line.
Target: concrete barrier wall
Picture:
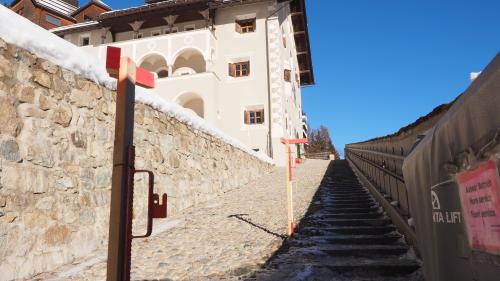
56	141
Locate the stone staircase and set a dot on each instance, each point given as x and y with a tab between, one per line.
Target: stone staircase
344	236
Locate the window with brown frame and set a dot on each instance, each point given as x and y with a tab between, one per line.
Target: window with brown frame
239	69
245	26
254	116
286	75
53	20
85	40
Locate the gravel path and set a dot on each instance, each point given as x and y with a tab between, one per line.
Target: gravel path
220	240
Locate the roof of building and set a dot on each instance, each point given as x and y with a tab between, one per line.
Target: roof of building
95	2
58	5
304	56
64	8
150	7
299	18
87	24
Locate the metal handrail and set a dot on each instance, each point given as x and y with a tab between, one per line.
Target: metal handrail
388	155
387	171
363	161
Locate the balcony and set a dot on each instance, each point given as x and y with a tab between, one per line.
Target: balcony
167	55
182	65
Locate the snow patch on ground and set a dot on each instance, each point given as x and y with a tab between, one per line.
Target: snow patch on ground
21	32
163	227
78	268
305	273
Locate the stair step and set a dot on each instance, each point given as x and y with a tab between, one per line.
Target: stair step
348	197
354	222
360	195
349	230
351	192
378	239
346	209
371	215
364	250
349	201
327	203
364	267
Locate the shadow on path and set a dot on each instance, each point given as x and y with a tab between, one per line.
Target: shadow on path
241	218
344	236
286	241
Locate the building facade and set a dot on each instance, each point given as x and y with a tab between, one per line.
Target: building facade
238	64
55	13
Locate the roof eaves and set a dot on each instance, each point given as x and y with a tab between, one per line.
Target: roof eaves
58	5
98	3
82	26
56	12
308	46
148	7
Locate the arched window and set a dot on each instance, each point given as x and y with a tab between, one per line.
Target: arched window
193	102
189	61
156	64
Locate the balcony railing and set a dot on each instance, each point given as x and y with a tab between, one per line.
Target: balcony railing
169	46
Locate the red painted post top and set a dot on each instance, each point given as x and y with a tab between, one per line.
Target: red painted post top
113	55
294	141
143	77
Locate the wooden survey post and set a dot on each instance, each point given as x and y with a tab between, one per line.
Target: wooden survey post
120	222
289	182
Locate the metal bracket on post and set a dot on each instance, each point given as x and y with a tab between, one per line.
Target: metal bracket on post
289	179
122	189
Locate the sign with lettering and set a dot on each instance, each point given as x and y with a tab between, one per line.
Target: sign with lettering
480	198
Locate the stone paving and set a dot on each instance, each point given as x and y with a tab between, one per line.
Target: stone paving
223	239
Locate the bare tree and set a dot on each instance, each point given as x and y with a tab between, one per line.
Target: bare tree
320	141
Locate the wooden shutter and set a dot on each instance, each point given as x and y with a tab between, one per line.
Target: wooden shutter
232	69
248	67
286	75
262	116
246	116
238	27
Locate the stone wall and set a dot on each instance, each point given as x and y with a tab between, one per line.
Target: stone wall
56	141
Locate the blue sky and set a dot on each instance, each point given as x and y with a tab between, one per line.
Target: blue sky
379	65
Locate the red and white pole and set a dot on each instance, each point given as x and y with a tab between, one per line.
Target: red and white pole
289	182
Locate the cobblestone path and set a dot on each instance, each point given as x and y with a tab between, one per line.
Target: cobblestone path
344	236
225	239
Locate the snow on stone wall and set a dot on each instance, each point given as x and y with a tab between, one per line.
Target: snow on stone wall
56	143
21	32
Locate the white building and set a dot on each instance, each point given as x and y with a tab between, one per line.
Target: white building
240	64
